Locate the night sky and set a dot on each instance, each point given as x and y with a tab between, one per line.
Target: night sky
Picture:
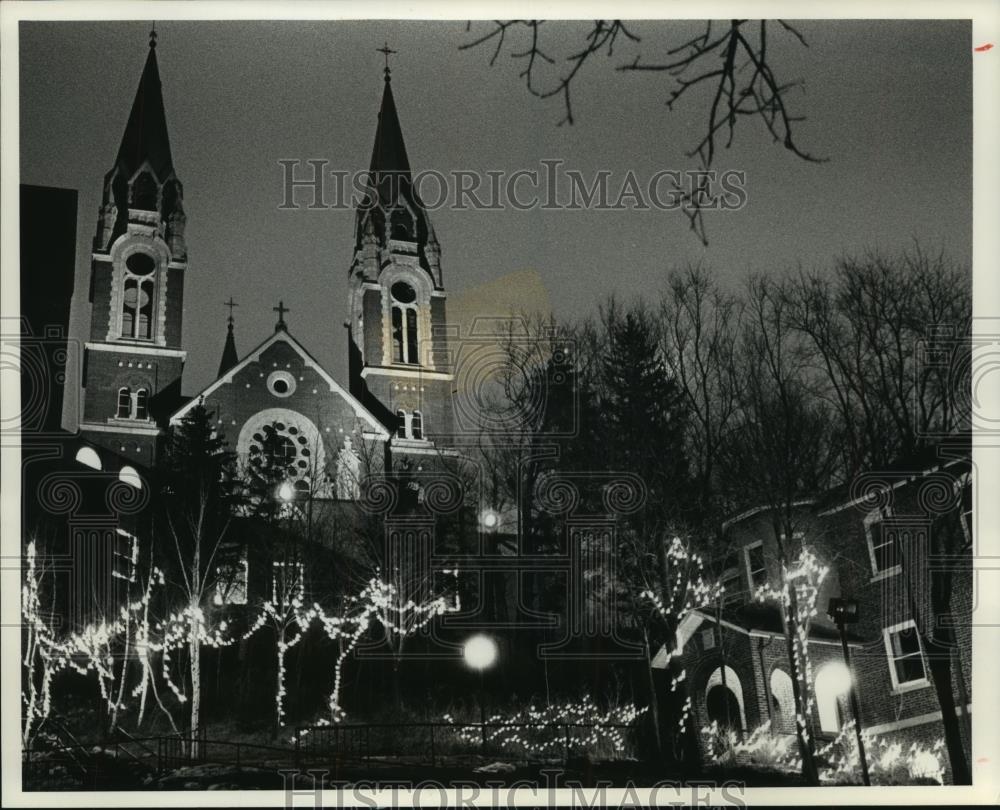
890	105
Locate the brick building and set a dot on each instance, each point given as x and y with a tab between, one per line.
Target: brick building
899	542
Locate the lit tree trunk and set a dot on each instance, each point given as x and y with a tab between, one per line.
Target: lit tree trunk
802	734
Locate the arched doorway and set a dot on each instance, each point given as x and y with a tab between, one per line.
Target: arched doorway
782	702
724	699
722	707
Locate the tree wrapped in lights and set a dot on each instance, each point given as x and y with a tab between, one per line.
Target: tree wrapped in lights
673	589
42	657
198	495
796	595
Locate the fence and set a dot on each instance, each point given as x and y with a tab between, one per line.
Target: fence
125	757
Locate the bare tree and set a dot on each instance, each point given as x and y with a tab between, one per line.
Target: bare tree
731	57
767	457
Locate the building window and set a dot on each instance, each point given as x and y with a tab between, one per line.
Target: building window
708	639
288	582
405	334
881	546
400	424
417	425
348	473
142	404
401	225
756	566
137	309
144	192
126	555
124	410
231	576
906	659
731	580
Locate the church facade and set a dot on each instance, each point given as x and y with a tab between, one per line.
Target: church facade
275	404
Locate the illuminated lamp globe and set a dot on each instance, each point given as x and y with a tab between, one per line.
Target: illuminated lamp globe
480	652
838	677
286	492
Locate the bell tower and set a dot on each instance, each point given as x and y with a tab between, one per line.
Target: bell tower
399	361
133	359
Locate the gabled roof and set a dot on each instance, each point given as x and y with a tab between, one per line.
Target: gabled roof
145	137
282	335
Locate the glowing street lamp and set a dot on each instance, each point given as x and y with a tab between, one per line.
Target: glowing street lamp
490	519
480	653
844	612
286	492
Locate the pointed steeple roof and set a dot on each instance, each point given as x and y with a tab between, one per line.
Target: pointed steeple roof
229	356
389	151
145	135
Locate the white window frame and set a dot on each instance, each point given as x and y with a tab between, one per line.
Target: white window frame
908	686
746	561
873	517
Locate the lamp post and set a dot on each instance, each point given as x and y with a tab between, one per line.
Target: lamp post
480	653
844	612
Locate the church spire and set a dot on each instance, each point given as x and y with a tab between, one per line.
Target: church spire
393	217
145	137
142	181
229	356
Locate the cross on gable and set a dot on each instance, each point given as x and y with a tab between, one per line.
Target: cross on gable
281	309
230	303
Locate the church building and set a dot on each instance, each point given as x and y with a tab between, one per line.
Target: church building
275	404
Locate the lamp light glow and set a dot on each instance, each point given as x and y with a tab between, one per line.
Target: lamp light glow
480	652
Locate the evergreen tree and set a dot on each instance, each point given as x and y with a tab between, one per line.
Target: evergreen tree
643	415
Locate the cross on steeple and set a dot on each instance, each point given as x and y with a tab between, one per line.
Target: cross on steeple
386	50
230	303
281	309
152	35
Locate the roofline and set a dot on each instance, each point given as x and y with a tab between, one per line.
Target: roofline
283	334
755	510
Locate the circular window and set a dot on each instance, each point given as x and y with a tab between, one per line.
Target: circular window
281	384
403	292
140	264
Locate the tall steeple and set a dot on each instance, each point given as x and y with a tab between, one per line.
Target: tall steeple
142	177
229	356
399	363
134	359
393	216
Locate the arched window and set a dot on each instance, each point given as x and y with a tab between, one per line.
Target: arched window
417	425
401	424
137	308
401	225
782	702
405	333
142	404
144	192
348	473
832	682
89	457
124	410
725	708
